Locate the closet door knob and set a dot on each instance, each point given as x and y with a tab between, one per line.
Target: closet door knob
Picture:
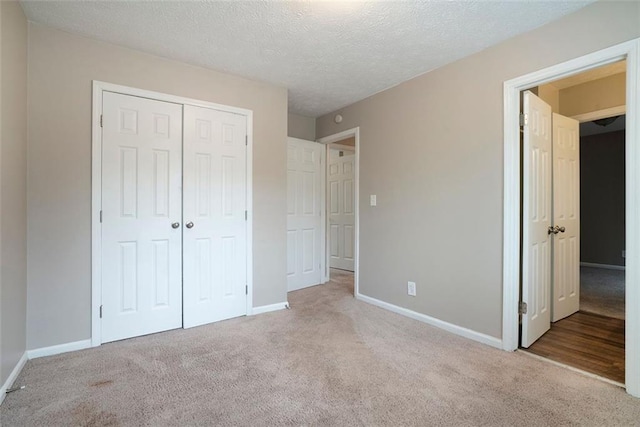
189	224
175	225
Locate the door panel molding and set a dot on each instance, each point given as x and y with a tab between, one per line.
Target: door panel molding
98	89
511	233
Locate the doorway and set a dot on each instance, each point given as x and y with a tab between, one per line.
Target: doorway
342	211
568	317
512	212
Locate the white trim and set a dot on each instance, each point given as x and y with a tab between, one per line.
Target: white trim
601	114
354	132
249	207
269	308
96	206
13	376
606	266
511	234
96	190
59	349
449	327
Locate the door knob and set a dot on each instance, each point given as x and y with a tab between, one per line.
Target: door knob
175	225
555	230
189	224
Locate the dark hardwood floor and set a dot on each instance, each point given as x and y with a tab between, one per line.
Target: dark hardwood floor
586	341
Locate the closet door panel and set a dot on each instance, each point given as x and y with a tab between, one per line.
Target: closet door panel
214	206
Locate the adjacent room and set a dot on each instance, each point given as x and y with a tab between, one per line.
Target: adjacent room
319	212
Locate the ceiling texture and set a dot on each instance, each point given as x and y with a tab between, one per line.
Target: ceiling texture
329	54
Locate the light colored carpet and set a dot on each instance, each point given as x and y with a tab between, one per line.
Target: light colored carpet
602	291
330	360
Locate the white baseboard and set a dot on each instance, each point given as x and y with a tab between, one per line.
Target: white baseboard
607	266
268	308
58	349
12	377
449	327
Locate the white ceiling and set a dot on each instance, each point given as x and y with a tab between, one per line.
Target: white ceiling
329	54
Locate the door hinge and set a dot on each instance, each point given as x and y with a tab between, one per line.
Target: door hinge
100	120
246	140
246	215
246	289
524	119
101	312
522	308
101	217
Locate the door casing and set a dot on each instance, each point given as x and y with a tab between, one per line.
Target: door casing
96	189
511	233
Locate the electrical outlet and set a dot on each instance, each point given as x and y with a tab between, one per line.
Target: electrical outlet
411	288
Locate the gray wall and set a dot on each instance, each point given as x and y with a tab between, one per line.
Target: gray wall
432	151
61	68
13	184
602	204
301	127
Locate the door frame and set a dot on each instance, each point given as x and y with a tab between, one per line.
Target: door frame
327	140
96	188
511	233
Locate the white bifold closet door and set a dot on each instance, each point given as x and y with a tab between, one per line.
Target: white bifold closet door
141	216
215	233
174	230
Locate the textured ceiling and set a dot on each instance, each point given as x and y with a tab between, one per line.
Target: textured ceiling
327	53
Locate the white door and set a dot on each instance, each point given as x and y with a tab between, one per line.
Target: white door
141	216
341	207
536	242
304	215
566	217
215	251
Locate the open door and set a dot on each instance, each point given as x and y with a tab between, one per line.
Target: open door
566	217
536	219
304	213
